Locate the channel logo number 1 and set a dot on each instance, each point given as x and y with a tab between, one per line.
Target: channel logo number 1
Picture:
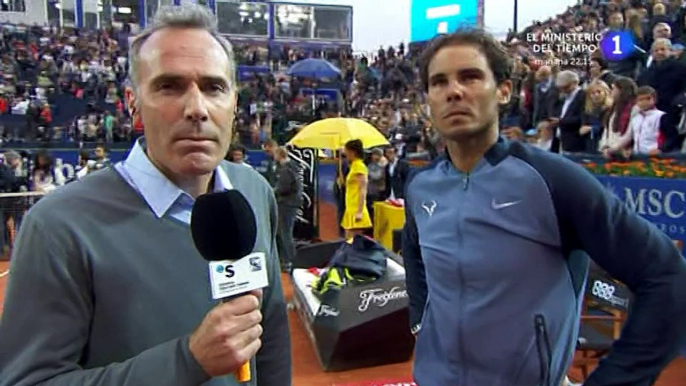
617	45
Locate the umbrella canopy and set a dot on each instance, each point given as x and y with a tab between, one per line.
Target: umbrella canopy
313	68
333	133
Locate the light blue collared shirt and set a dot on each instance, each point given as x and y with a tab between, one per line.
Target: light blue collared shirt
161	195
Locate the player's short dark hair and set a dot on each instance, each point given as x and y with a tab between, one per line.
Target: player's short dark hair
498	59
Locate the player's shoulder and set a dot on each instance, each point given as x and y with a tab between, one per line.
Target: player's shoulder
543	161
565	178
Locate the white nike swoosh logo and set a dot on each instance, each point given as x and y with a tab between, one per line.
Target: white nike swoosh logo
502	205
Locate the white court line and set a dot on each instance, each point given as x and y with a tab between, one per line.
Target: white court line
5	273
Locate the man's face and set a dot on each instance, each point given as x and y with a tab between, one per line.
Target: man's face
185	101
237	156
269	150
462	92
566	88
616	20
99	152
390	154
662	30
660	52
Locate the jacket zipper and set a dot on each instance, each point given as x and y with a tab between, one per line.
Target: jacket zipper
460	273
543	349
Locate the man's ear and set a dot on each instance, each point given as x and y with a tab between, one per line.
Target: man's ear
504	92
132	103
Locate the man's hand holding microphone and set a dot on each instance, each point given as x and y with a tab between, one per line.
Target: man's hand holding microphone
229	336
224	232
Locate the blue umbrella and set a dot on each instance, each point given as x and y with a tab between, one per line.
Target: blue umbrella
313	68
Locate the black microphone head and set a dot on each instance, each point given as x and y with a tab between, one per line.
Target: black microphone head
223	226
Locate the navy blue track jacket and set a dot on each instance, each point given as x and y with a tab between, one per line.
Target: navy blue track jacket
496	263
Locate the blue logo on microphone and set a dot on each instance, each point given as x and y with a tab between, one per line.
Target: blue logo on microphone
220	269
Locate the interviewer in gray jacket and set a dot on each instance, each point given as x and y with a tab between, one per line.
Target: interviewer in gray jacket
106	286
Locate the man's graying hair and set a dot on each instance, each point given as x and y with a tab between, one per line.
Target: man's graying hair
661	42
183	16
567	77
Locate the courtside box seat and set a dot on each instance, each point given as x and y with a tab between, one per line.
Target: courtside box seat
360	325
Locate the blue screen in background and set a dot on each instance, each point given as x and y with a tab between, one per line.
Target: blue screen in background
429	18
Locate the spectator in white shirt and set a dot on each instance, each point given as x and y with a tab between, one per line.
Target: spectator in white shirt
644	127
622	110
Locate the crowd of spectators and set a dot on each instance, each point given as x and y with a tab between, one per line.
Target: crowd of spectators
571	102
632	106
68	85
62	85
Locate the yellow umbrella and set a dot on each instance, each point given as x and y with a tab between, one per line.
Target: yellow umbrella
333	133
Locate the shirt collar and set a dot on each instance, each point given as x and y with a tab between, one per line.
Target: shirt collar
648	112
157	190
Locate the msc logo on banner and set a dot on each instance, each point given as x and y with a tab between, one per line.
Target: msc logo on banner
661	202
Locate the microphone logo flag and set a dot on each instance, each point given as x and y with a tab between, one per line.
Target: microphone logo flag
255	263
229	278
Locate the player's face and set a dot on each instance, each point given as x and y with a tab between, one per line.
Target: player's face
186	101
462	92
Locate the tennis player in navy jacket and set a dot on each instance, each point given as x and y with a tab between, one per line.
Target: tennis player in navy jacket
497	239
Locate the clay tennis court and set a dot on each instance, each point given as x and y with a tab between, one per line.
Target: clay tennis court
306	369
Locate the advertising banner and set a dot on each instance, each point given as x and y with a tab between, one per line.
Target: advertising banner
306	218
661	201
429	18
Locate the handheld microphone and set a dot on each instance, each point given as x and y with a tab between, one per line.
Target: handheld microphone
224	232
